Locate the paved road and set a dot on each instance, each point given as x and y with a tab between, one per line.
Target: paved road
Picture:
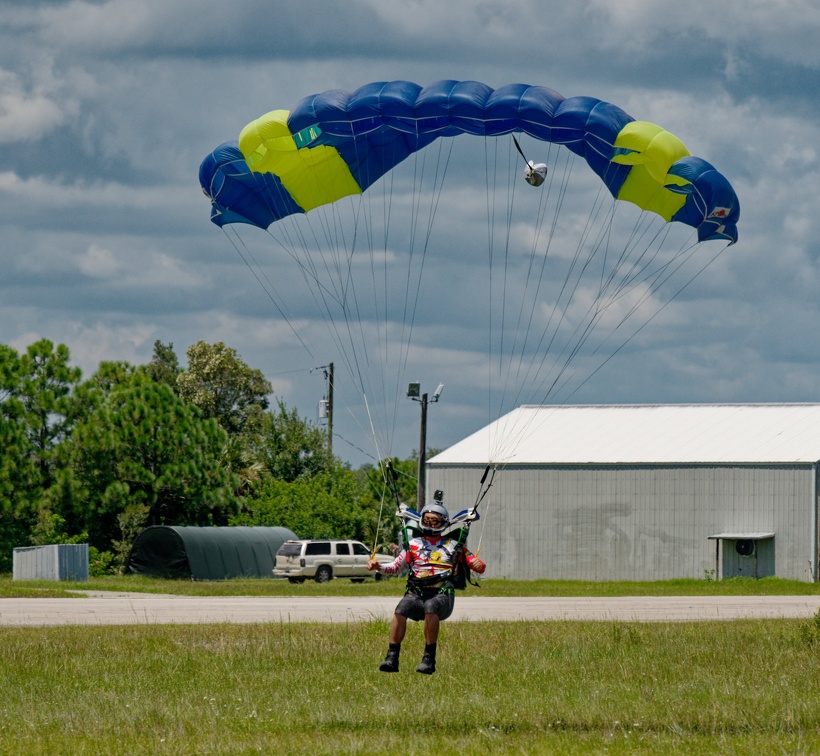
144	609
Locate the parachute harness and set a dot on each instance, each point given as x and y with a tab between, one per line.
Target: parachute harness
458	575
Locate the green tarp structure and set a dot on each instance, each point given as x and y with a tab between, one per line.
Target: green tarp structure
209	553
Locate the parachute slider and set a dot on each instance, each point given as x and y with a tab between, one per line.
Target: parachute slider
535	173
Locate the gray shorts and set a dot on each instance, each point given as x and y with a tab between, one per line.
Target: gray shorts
430	602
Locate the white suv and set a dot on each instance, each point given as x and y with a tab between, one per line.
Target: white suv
324	560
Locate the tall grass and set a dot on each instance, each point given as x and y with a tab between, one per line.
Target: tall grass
519	687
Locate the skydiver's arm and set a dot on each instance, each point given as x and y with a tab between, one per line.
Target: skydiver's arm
393	568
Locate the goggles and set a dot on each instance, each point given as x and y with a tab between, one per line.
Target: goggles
433	521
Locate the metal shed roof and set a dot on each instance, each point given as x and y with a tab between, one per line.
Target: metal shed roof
650	433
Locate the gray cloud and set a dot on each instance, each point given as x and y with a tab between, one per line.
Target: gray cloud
107	108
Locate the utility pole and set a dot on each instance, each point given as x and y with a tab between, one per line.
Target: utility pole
326	405
413	391
330	408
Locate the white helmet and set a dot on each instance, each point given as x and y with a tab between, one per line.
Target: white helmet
438	516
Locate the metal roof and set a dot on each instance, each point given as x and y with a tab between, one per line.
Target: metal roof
647	433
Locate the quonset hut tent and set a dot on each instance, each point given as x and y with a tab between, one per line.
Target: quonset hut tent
206	553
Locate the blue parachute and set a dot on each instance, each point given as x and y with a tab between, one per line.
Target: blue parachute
338	143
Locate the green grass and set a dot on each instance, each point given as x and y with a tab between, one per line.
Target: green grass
394	587
519	687
501	687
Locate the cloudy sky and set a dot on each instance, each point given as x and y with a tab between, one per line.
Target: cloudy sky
107	109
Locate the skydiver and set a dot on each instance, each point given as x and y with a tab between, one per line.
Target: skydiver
433	560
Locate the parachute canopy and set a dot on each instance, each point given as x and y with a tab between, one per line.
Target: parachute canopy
338	143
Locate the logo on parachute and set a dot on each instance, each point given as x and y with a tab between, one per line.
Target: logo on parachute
719	212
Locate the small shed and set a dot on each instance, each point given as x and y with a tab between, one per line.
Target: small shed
206	553
57	561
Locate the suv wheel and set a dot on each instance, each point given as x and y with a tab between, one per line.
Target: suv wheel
323	574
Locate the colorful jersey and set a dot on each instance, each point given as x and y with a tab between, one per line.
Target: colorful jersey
430	556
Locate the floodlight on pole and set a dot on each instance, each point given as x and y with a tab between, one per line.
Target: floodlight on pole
414	393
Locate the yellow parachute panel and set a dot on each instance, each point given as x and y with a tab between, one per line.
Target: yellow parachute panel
312	176
651	151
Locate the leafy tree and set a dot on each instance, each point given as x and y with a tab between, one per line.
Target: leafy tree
406	480
44	389
328	505
36	414
239	458
18	473
164	365
224	387
141	445
293	449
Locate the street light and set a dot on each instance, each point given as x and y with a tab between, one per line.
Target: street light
414	393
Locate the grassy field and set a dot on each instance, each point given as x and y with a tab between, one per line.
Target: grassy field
394	587
520	687
517	687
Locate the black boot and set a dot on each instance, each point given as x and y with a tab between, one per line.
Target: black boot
391	661
428	661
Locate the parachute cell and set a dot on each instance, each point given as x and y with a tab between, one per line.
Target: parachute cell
338	143
239	195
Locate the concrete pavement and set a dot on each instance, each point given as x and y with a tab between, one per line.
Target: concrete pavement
149	609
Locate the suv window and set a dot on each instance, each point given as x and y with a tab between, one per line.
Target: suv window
315	549
359	549
343	548
290	549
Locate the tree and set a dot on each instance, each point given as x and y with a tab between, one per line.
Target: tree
36	415
406	481
294	449
44	389
141	445
18	473
332	504
224	387
164	365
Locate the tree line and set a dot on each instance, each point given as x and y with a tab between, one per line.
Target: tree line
97	460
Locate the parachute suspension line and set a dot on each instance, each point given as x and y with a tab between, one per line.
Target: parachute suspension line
562	191
576	274
660	309
435	199
413	286
509	202
636	269
531	296
532	286
384	479
490	174
323	295
659	278
380	310
257	271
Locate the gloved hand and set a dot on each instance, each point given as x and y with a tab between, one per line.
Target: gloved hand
476	565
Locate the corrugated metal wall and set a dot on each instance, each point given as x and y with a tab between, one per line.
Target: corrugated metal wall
632	522
64	561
